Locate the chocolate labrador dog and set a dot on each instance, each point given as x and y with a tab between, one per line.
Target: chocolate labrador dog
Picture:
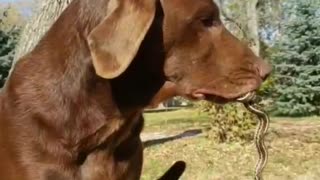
72	108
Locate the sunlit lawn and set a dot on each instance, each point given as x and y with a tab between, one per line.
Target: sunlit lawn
294	146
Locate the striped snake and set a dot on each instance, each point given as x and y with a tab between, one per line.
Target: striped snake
248	101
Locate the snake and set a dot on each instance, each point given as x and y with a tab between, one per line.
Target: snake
249	102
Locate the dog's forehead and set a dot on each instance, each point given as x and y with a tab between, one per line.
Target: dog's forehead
189	7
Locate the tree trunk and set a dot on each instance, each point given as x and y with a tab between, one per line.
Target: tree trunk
245	22
45	16
253	25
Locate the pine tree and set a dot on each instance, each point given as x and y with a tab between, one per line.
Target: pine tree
298	60
9	33
8	41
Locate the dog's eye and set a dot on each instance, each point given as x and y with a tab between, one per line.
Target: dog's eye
209	22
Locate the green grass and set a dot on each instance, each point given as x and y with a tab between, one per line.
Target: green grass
174	120
294	148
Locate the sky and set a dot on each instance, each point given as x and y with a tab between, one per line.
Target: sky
15	1
23	5
8	1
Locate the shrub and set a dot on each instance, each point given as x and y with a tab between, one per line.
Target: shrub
229	123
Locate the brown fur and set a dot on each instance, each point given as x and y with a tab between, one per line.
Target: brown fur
72	108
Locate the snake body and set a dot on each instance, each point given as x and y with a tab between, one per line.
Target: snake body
263	125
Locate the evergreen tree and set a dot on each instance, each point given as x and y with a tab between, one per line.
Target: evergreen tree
8	41
298	60
9	33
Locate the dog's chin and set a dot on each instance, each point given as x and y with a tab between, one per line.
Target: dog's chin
220	98
211	98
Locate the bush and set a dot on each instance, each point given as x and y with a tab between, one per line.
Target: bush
229	123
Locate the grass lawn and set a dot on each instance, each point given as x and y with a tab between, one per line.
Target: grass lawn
294	149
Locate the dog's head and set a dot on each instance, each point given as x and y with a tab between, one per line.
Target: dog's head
202	58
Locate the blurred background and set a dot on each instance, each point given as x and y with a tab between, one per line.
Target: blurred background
215	140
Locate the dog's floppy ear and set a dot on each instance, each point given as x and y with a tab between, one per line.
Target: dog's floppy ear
175	171
116	40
